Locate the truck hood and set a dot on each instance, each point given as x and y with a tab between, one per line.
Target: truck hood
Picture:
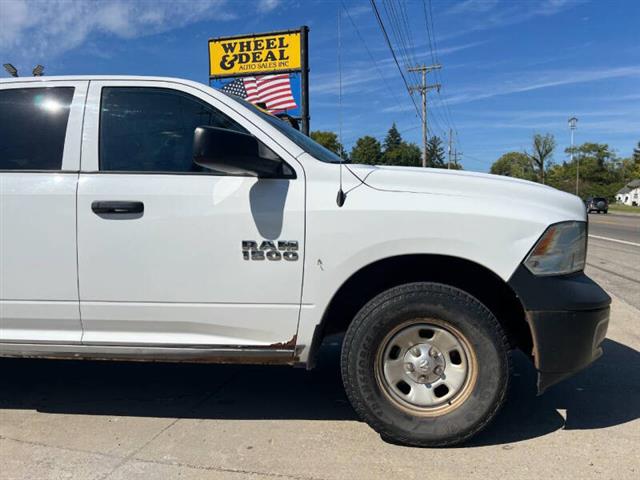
436	181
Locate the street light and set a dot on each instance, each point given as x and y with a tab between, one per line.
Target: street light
573	121
11	70
38	70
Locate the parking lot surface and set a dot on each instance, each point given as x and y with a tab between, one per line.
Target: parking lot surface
99	420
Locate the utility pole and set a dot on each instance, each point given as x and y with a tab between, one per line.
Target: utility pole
423	89
449	152
456	154
572	126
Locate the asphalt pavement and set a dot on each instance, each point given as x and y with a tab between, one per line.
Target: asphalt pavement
613	258
623	227
130	421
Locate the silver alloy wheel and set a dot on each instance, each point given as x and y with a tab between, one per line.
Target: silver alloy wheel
426	366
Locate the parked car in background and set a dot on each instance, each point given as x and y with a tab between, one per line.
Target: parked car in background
597	204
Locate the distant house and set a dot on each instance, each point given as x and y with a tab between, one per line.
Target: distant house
629	194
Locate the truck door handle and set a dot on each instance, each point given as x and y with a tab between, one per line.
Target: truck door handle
117	207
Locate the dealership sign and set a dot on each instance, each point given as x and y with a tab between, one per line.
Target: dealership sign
251	55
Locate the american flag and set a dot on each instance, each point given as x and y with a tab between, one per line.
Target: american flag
274	91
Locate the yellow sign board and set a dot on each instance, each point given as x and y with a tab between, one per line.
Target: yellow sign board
255	54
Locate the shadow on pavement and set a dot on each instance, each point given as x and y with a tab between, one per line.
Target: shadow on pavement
606	394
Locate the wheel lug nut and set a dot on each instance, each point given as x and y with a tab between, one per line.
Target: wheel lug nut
416	352
422	378
438	370
433	352
409	366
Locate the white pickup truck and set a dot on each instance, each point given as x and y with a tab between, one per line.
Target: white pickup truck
158	219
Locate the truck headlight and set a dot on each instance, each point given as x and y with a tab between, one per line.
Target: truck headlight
561	249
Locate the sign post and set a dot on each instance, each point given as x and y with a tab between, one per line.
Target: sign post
252	57
304	33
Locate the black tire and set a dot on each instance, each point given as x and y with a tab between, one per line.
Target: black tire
454	309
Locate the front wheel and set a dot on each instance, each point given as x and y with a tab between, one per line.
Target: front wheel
425	364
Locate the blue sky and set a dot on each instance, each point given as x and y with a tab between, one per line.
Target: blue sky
510	68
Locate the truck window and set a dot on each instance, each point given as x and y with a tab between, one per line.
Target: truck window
145	129
33	125
306	143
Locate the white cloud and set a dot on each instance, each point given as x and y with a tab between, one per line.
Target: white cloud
360	77
398	108
354	80
36	30
358	10
472	6
478	15
457	48
268	5
536	81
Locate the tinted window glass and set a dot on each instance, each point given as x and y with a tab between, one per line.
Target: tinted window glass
151	129
33	125
306	143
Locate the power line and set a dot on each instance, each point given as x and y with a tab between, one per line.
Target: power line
401	29
443	96
402	34
433	47
393	53
375	63
431	37
402	7
396	30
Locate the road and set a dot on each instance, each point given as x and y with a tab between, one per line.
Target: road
110	421
620	227
613	258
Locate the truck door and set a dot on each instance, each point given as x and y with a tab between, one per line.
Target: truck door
160	239
40	131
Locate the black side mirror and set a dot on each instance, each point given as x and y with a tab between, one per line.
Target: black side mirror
236	153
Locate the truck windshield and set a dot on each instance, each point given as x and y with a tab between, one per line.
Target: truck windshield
306	143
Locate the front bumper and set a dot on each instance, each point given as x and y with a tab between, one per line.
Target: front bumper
568	317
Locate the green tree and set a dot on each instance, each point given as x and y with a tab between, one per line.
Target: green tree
393	138
601	173
596	154
514	164
406	155
542	152
366	150
330	141
633	165
398	152
435	153
629	169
